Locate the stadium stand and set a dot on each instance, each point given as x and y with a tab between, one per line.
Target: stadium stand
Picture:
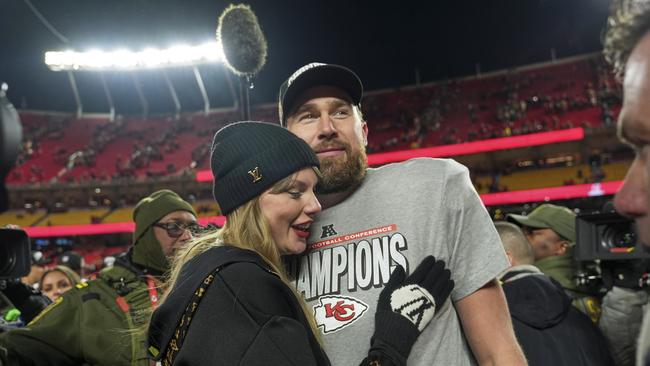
202	208
120	215
577	93
21	218
50	142
72	217
551	177
573	94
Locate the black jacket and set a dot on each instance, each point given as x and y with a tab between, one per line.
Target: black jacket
247	316
549	329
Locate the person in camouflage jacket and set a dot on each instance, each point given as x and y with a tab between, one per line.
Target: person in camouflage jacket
96	322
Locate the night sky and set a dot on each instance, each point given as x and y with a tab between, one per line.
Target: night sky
383	41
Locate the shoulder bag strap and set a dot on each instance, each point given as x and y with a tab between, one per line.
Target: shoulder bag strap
176	342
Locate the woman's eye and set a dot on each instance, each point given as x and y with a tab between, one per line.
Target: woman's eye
294	194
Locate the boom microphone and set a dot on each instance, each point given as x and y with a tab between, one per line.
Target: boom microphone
242	40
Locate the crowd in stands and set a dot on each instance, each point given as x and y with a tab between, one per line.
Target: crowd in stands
59	149
121	150
518	102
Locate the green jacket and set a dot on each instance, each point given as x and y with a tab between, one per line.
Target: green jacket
86	325
562	268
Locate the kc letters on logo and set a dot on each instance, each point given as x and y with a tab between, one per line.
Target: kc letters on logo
333	313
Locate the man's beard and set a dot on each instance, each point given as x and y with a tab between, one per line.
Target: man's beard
337	175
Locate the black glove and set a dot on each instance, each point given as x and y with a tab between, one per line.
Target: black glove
406	306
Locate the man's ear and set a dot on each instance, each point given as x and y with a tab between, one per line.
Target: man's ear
563	246
364	128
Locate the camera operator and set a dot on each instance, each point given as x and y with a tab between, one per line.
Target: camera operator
96	322
15	260
627	48
550	229
542	313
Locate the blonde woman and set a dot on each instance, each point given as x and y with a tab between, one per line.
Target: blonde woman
56	281
230	301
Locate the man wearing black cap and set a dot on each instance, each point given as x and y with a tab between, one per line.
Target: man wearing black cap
374	219
95	323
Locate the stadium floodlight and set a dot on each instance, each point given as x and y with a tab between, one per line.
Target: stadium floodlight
149	58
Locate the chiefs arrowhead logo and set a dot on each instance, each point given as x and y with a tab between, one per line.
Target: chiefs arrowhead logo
334	313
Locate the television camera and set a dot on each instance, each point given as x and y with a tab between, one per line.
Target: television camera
611	240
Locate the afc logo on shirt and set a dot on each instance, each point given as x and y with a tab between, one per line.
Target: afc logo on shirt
328	230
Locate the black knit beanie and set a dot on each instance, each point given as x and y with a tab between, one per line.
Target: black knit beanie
249	157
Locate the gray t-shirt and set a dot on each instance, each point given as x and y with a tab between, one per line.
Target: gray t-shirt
400	214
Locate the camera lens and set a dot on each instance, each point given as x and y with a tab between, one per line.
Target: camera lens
7	259
620	235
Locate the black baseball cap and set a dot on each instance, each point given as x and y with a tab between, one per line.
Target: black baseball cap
315	74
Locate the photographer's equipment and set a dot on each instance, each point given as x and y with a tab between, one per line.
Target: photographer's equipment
607	236
15	255
11	134
612	240
9	315
632	274
15	262
28	301
589	278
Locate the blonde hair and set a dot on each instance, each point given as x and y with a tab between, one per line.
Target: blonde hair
71	275
245	228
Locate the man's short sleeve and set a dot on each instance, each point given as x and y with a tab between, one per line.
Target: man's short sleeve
477	255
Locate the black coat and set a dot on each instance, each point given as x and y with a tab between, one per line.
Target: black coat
247	315
549	329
